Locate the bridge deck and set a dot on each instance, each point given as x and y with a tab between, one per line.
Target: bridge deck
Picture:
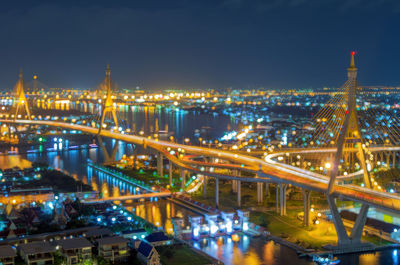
268	169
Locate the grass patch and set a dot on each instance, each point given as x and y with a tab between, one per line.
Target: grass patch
150	177
292	229
181	254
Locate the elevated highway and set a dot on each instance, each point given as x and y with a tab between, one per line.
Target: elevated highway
265	170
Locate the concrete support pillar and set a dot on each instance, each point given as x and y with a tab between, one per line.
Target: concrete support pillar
277	197
259	192
388	159
183	176
217	192
343	238
205	186
358	227
283	199
306	202
394	160
234	186
267	190
160	166
171	170
239	193
135	158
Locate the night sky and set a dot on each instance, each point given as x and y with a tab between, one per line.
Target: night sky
200	44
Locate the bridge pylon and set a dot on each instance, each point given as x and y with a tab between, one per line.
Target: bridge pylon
108	103
20	98
349	137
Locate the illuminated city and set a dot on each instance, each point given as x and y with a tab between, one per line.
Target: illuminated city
194	171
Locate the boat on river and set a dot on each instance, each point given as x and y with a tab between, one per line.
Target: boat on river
329	260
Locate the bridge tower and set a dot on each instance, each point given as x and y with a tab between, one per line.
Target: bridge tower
349	138
108	104
21	101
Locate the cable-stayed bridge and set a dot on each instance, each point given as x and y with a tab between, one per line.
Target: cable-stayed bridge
347	147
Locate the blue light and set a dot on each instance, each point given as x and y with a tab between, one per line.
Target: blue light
196	232
245	226
213	229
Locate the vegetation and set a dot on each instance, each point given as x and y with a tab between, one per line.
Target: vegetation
59	181
150	177
181	254
291	229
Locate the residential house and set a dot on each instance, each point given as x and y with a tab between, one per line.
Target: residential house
113	248
147	254
75	249
7	255
35	253
158	239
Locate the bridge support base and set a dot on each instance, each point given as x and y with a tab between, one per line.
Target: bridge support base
306	201
234	186
205	186
277	198
344	240
239	193
183	179
259	192
282	192
171	170
160	166
108	158
217	192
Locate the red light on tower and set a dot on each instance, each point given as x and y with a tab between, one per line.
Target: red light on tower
353	53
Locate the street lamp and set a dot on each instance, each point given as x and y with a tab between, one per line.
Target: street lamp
327	165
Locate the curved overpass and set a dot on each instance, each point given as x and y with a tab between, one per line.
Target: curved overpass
265	170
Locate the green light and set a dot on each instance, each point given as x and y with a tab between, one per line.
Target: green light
40	139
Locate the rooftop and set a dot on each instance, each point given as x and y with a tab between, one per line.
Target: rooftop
7	251
74	243
112	240
145	248
36	248
156	237
99	232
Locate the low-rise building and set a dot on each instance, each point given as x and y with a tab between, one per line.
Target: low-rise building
75	249
113	248
158	239
7	255
147	254
37	253
135	234
94	234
